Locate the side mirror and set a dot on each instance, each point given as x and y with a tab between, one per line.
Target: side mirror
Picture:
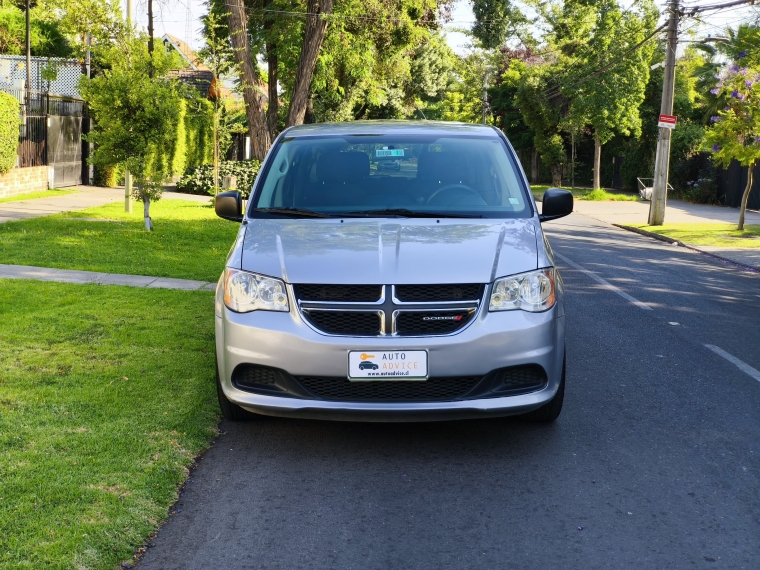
556	204
229	205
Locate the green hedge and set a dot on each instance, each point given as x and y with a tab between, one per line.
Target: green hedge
191	145
9	121
200	179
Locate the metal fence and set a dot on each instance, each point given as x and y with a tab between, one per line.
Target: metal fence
51	134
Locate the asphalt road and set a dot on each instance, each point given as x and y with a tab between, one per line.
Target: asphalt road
654	462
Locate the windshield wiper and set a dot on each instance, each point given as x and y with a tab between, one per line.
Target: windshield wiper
406	213
293	212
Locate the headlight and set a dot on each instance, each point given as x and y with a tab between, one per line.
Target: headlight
532	292
245	292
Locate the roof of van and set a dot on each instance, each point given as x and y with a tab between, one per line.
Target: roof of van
358	128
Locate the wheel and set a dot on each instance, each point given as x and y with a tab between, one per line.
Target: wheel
230	411
550	410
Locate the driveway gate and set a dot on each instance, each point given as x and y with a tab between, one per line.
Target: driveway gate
64	141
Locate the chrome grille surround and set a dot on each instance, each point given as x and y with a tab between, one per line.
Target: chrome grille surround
394	315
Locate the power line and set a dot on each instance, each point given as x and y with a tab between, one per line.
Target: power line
697	9
608	65
578	65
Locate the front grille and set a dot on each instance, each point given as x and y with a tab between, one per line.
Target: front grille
398	390
251	375
425	323
339	293
433	293
520	378
349	323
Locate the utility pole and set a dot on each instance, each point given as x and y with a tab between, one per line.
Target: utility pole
662	161
127	175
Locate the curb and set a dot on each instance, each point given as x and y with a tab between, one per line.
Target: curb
687	246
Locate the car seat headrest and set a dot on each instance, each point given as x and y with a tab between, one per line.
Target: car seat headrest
338	167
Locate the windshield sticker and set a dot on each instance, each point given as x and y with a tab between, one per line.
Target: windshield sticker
386	152
514	201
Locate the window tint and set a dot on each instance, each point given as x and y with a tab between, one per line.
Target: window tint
337	175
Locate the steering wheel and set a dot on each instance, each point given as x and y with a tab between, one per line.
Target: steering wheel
462	189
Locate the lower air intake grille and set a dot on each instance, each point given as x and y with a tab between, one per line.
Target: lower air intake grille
519	379
432	293
349	323
394	390
251	375
339	293
426	323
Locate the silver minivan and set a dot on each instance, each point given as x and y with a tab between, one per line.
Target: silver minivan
355	291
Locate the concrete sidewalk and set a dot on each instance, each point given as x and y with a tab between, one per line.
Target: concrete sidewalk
74	276
84	197
677	212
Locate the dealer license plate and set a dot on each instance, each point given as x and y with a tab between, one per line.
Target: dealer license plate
366	365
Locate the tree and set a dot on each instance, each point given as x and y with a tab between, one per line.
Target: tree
610	101
543	115
314	34
250	82
332	60
217	55
47	37
494	20
735	134
136	109
82	22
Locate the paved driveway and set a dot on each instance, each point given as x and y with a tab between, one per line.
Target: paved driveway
654	462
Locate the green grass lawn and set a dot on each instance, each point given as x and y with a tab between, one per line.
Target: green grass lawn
189	241
587	194
33	195
723	235
106	395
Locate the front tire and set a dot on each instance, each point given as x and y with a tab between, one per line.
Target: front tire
231	411
550	410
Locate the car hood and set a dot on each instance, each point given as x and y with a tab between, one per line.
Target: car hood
389	251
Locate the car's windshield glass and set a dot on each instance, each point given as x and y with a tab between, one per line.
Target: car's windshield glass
395	175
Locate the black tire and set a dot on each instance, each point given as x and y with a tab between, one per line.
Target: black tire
550	410
231	411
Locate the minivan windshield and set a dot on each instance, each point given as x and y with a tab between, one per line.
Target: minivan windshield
391	175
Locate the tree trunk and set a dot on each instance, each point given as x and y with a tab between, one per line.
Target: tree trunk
534	166
597	161
146	215
316	24
557	175
745	197
310	117
249	79
272	76
572	161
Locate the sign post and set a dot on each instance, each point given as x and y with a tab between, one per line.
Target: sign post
661	163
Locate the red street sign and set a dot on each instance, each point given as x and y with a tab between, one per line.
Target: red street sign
667	121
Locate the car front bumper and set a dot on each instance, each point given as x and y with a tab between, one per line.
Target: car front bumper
492	341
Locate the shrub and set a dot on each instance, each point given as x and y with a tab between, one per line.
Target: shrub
107	175
9	121
200	179
701	188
